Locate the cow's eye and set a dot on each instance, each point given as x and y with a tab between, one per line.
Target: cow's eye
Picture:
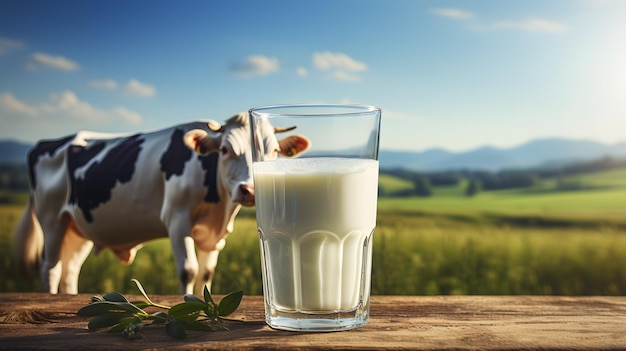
224	150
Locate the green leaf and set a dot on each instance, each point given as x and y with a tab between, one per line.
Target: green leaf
106	320
188	317
158	317
189	297
230	303
175	329
125	322
114	297
186	308
211	309
207	296
101	307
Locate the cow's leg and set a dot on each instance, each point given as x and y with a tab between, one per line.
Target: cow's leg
73	254
186	262
207	261
51	267
179	229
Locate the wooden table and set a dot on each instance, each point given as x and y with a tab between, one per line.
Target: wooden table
49	322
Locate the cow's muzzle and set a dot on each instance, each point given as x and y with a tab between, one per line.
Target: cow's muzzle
245	194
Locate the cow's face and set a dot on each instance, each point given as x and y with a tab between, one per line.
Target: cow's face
232	142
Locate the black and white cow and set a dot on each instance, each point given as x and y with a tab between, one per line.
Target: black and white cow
96	191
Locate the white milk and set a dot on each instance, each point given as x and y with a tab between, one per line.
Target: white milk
316	217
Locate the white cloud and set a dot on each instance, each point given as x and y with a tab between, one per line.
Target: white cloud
328	61
106	84
453	13
68	103
7	45
137	88
537	25
133	87
9	104
341	66
63	105
39	60
302	72
255	66
529	25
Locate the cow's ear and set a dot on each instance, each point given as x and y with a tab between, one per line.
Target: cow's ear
201	142
293	145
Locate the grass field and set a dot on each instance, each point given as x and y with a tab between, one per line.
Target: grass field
602	197
525	241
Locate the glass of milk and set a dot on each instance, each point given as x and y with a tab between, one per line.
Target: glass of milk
316	190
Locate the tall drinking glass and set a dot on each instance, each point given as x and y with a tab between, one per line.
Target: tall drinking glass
316	189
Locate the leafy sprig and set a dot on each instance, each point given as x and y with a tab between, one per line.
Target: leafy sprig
115	311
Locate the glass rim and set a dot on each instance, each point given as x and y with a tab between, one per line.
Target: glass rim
351	109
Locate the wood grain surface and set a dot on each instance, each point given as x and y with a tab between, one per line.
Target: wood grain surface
37	321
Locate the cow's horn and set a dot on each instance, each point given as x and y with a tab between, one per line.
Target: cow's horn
215	126
282	130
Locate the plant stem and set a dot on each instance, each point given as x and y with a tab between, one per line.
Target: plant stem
158	305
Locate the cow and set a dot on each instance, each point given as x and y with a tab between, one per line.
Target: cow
94	191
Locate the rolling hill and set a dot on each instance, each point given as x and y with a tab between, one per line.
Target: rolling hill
536	153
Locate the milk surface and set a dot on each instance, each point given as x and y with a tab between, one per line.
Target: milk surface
316	217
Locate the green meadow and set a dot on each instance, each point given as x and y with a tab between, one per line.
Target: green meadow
534	240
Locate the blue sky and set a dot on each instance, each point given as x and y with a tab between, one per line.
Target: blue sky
451	74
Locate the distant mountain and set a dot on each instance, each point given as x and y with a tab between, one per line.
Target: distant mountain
13	151
536	153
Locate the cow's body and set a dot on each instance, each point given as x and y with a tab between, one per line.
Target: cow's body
93	190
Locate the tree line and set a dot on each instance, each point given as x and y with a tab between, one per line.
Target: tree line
13	177
478	180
